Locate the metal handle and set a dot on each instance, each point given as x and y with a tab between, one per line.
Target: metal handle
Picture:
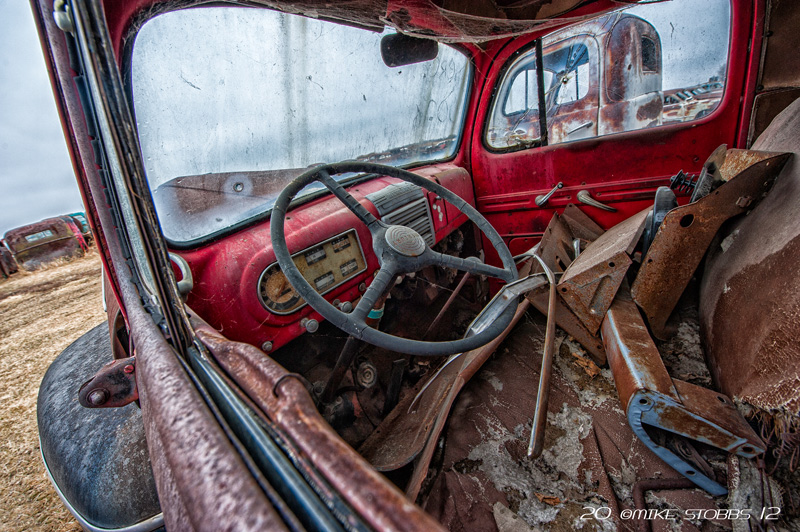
186	284
541	200
585	197
578	128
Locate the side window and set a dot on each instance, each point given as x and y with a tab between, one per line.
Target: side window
640	67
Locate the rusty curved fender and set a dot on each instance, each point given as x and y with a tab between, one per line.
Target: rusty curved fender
286	402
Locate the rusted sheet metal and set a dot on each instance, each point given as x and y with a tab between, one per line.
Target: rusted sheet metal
652	398
7	263
557	250
572	325
36	244
114	385
580	224
589	284
687	231
640	490
469	365
406	431
191	455
749	306
737	161
286	402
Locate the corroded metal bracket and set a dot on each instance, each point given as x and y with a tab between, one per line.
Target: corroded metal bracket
590	283
687	231
114	385
656	402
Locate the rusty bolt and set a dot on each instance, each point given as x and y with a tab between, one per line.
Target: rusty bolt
744	201
128	368
97	397
266	346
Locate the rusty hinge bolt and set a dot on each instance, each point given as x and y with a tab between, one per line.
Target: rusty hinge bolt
98	397
113	385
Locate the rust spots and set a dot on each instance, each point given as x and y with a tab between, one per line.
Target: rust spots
651	110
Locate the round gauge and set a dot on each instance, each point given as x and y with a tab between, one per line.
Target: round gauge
276	292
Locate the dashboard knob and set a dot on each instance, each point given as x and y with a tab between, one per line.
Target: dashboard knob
345	306
310	325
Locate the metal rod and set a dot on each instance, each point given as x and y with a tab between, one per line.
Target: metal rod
447	304
536	443
395	384
342	363
652	484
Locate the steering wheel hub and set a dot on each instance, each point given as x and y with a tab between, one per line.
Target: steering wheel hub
405	241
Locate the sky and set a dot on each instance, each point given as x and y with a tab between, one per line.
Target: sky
36	177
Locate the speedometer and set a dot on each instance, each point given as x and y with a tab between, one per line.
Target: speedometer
324	265
277	292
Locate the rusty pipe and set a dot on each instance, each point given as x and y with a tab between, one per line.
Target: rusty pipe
447	304
536	443
651	484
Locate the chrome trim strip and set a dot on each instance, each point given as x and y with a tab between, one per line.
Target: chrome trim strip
148	525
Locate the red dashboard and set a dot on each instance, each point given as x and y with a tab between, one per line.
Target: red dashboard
236	276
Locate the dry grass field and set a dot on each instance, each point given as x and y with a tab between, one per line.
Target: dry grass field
41	313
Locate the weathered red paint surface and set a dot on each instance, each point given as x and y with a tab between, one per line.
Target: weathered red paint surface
229	269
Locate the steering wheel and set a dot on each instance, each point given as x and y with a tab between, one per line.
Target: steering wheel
399	250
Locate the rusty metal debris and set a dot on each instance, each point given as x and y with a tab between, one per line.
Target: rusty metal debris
558	249
655	403
653	484
113	386
687	231
322	456
590	283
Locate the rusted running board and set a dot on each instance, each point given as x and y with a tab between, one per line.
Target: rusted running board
653	399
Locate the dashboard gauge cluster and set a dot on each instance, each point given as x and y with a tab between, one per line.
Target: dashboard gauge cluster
325	266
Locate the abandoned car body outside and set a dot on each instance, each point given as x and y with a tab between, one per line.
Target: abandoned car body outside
431	265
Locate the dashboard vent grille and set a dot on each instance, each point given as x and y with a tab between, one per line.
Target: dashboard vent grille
405	204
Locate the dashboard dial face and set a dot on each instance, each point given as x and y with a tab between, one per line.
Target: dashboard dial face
276	291
325	266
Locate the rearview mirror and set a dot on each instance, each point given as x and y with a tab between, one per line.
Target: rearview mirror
399	50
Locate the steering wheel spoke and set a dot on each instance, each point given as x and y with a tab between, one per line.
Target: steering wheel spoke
473	265
345	197
380	284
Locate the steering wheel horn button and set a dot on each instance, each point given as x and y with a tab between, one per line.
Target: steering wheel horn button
405	240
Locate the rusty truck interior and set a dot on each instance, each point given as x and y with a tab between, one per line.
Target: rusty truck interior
533	261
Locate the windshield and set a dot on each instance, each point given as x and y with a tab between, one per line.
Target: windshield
232	103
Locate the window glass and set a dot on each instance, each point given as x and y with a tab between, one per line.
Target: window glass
39	236
232	103
640	67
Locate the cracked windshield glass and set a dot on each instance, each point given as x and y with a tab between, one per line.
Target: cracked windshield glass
232	103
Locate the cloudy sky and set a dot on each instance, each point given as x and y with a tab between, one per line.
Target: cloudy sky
36	178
